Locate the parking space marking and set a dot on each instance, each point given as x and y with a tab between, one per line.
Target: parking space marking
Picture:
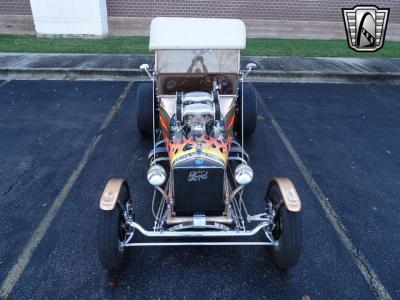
4	83
360	260
23	260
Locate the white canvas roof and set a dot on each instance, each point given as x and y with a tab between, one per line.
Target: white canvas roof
197	33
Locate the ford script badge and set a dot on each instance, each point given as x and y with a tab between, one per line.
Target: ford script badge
195	176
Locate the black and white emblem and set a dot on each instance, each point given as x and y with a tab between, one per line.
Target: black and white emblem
365	27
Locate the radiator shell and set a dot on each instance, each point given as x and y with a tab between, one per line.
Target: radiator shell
198	189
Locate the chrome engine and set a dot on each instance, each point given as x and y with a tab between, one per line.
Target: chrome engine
197	146
196	114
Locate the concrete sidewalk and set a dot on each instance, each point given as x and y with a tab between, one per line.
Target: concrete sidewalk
126	66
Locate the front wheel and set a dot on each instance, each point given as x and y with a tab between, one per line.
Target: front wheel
111	232
287	231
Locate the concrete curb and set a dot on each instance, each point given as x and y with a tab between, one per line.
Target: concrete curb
269	68
70	74
326	77
137	74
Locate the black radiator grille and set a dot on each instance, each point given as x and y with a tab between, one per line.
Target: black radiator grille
199	190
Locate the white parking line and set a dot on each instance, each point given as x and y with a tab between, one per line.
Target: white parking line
360	260
4	83
23	260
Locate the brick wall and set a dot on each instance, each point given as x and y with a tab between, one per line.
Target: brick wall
299	10
15	7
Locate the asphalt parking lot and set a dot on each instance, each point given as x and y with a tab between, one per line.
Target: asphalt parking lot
347	136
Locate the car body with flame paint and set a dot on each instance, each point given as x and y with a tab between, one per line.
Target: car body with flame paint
198	110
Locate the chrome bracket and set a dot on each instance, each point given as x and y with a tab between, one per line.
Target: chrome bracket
264	217
268	234
199	220
198	225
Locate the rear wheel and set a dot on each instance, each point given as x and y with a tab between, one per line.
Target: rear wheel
111	232
249	109
144	111
287	231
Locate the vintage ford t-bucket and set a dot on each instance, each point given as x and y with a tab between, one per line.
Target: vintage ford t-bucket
198	110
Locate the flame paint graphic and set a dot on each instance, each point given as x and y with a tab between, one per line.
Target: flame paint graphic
209	145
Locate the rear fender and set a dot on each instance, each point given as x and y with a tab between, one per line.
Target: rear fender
112	192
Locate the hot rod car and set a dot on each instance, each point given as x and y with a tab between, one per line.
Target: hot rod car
199	111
